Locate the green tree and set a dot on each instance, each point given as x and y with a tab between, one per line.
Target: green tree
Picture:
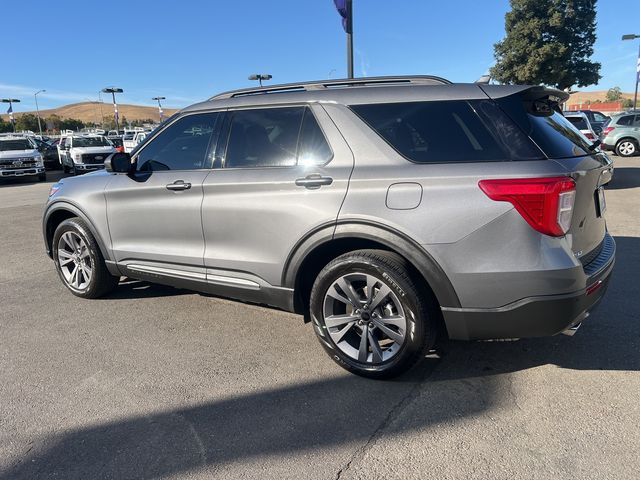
27	121
71	124
614	94
627	103
5	126
548	42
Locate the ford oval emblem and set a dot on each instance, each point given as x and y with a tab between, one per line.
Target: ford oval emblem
17	163
99	157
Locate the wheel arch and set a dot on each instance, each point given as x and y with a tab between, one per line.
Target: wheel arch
324	244
57	213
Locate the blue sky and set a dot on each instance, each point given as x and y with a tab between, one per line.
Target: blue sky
190	50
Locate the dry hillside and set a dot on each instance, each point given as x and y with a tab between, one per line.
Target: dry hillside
90	112
582	97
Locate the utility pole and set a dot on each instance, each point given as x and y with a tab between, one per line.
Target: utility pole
349	30
160	107
38	110
113	91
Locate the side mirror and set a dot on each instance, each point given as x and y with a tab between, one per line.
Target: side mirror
118	162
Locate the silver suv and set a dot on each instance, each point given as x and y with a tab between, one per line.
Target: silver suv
621	134
387	211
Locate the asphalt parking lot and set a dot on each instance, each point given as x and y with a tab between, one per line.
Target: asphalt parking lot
154	382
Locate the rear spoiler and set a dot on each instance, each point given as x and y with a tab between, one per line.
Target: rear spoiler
537	99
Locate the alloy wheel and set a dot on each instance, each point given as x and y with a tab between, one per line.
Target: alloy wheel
74	260
626	148
364	318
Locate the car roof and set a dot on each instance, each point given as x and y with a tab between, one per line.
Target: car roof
574	114
363	91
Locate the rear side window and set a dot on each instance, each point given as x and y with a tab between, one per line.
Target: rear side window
313	148
627	120
448	131
265	137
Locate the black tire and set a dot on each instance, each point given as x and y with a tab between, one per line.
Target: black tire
418	304
42	177
626	147
65	169
101	281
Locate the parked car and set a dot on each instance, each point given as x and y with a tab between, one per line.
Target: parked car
83	153
131	137
385	210
622	134
581	122
19	157
596	119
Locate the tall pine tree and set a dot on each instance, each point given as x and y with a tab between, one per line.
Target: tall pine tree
548	42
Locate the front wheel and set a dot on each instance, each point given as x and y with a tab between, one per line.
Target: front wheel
42	177
79	262
626	148
370	315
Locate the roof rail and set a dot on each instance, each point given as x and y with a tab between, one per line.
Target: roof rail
337	83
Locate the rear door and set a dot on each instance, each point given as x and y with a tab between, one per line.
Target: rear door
280	173
154	213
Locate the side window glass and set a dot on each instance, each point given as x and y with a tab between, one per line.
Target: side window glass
598	117
181	146
265	137
636	122
313	149
626	120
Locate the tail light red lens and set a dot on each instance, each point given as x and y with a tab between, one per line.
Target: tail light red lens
545	203
607	130
589	135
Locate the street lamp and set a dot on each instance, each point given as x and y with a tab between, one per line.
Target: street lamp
160	107
11	101
260	77
635	95
38	110
113	91
101	112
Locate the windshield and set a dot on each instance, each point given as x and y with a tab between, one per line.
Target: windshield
579	122
128	136
91	142
17	144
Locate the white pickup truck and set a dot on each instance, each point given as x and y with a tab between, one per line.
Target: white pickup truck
83	153
132	138
19	157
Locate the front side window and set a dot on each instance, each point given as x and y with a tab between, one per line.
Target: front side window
598	117
265	137
183	145
579	122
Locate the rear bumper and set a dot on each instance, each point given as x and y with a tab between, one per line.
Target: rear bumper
534	316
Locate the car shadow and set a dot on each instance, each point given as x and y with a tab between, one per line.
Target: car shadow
468	379
52	176
129	288
625	177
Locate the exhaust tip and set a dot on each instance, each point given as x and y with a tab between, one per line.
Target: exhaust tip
571	331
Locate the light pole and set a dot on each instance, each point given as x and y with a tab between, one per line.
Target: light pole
160	107
11	101
113	91
345	9
635	95
35	95
260	77
101	112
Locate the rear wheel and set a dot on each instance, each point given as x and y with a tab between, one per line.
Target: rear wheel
42	177
79	261
370	315
626	147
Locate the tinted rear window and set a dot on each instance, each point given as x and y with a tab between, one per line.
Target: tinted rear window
448	131
579	122
556	136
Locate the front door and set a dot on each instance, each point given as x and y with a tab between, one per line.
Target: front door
154	214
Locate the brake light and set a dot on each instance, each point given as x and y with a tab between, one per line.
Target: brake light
607	130
545	203
590	135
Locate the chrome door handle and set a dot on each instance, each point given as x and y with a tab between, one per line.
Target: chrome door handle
315	180
179	185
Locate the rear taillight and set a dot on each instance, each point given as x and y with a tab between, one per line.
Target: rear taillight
545	203
590	135
607	130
